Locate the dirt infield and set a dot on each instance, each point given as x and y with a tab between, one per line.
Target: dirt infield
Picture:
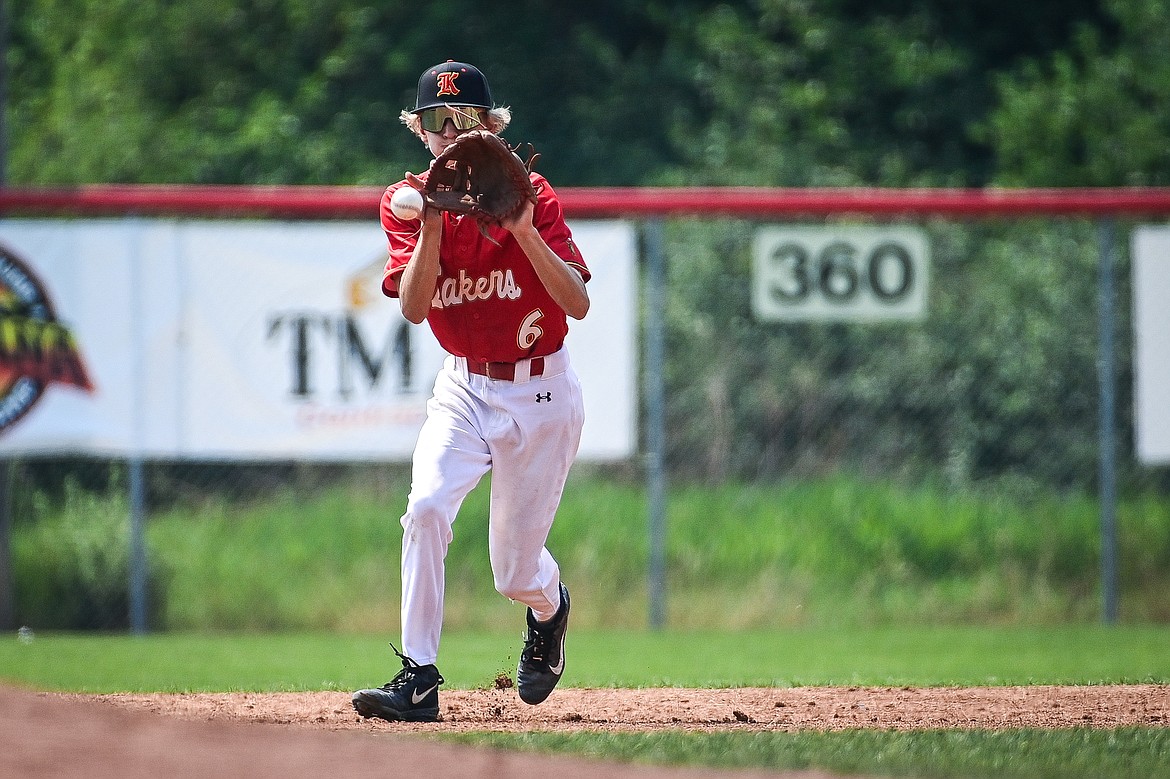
313	734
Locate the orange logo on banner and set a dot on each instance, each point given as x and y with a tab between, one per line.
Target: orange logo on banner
447	84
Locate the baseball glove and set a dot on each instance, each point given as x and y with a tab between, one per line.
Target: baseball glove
482	176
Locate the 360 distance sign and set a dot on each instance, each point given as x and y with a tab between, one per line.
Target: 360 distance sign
840	272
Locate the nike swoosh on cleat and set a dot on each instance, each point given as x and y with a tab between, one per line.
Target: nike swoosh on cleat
560	666
416	698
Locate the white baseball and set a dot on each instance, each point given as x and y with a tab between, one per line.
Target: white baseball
406	203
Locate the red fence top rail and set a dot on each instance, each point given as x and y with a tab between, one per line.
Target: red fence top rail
751	201
592	202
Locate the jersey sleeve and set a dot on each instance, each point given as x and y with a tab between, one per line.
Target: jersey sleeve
401	237
549	218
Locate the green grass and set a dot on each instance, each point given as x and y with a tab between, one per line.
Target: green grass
1123	753
925	656
921	656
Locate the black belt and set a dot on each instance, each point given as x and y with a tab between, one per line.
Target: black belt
505	371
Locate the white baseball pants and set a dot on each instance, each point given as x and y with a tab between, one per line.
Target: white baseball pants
527	433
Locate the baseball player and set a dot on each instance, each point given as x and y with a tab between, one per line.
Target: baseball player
498	300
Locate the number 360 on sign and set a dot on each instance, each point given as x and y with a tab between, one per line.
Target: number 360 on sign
840	272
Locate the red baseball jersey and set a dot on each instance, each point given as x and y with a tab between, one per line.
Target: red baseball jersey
489	304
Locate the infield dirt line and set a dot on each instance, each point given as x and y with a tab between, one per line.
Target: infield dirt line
55	735
650	709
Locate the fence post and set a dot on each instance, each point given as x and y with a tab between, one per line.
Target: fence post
656	418
138	572
137	487
1106	414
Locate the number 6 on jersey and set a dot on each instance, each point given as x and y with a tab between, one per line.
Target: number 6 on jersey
530	332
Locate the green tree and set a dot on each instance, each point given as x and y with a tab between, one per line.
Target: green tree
611	92
309	91
844	92
113	91
1095	115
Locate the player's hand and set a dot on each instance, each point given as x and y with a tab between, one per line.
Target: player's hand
522	220
430	214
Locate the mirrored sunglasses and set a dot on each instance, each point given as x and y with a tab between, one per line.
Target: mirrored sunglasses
463	117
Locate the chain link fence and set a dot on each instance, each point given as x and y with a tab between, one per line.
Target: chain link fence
997	383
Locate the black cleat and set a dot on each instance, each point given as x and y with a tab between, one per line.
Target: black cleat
411	696
543	660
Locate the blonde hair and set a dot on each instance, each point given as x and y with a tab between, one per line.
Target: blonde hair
497	119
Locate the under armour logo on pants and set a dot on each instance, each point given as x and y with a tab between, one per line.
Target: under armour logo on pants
546	396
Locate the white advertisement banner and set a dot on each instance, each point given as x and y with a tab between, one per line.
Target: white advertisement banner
1150	252
252	340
